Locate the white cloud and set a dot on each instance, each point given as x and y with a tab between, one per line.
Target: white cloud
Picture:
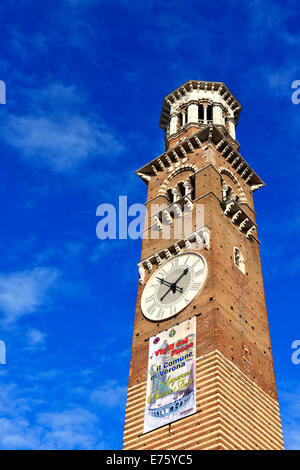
70	419
24	292
16	434
110	394
62	144
104	248
68	429
35	338
21	428
289	400
57	131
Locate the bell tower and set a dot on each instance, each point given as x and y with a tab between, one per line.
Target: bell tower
201	373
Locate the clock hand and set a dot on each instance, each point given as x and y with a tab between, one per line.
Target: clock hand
162	298
167	283
173	288
163	281
183	274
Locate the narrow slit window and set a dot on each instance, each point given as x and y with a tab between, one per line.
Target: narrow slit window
200	112
180	120
209	113
239	260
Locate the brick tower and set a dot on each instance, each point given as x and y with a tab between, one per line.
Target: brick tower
208	282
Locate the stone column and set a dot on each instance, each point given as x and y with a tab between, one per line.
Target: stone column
173	124
176	194
205	113
193	112
231	127
188	187
218	115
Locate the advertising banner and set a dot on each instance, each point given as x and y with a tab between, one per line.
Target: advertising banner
171	388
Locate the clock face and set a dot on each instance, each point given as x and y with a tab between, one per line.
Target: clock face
173	286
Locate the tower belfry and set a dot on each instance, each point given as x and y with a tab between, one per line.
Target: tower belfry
201	373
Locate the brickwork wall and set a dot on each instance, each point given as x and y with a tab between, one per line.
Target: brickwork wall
236	391
233	413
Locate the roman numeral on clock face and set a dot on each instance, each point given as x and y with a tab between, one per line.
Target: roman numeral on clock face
172	310
195	286
198	273
162	273
151	309
160	314
175	263
186	261
198	261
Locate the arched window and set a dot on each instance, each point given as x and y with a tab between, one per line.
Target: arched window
182	118
231	189
209	114
200	113
205	113
170	195
226	192
239	260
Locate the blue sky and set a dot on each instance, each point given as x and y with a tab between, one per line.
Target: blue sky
85	83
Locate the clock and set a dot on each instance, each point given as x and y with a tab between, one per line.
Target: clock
173	286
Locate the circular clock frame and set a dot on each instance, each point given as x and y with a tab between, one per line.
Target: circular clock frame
162	300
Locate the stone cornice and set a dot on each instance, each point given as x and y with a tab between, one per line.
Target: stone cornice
174	157
249	207
156	197
200	237
238	216
199	125
182	91
217	171
183	129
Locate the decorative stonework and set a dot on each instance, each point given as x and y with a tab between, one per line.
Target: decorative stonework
196	91
176	158
168	213
228	172
144	177
238	163
186	167
200	237
240	218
